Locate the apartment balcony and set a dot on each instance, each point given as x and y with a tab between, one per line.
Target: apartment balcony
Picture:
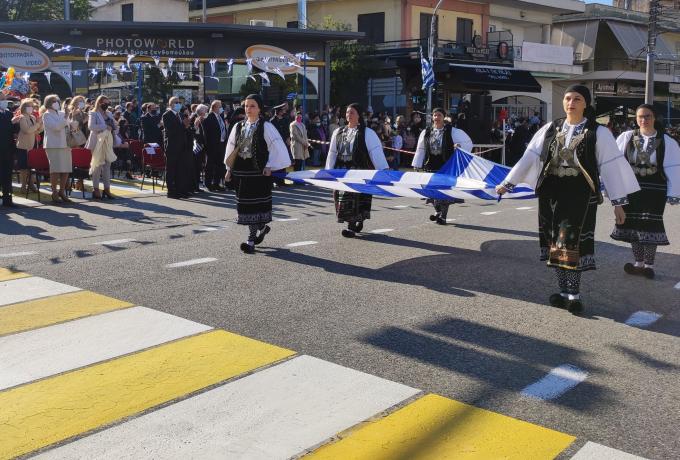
547	60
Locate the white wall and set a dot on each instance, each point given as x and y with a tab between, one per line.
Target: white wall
145	10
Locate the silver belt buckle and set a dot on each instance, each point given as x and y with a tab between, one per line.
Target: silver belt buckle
561	172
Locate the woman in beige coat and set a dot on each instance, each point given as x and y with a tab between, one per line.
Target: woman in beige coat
299	144
101	125
58	152
29	127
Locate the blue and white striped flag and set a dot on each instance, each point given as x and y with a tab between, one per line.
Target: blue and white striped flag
291	96
426	71
464	176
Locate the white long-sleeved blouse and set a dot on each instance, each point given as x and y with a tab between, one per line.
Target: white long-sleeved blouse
278	152
458	136
373	145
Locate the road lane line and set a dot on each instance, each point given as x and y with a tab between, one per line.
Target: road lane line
400	206
677	286
382	230
17	254
525	208
558	381
277	412
188	263
489	213
114	242
33	287
42	413
56	309
434	427
643	318
291	219
594	451
206	229
52	350
301	243
7	274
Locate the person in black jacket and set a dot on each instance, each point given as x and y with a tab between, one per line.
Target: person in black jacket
215	131
175	147
151	125
7	148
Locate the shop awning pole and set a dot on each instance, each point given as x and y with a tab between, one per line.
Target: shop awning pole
67	10
205	11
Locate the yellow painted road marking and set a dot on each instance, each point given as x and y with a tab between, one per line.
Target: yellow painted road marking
438	428
24	316
51	410
7	274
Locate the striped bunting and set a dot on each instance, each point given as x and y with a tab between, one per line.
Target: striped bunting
464	176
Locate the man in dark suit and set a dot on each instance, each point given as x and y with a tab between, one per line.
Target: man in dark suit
133	123
175	145
151	125
215	131
7	147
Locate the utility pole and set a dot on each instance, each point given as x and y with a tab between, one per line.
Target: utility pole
205	11
431	50
654	10
67	10
302	24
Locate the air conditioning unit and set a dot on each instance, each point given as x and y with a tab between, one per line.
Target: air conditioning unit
492	27
261	23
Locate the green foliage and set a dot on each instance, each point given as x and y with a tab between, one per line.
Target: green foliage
42	10
156	87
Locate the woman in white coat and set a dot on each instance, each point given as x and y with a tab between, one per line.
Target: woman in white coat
58	152
101	122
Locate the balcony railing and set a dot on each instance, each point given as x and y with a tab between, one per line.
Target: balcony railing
446	49
663	68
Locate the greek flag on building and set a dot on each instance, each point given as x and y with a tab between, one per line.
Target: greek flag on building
426	70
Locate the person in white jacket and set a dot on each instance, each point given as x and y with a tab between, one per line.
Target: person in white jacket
101	125
564	162
54	143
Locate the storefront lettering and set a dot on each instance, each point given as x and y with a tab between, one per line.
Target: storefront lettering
495	74
154	46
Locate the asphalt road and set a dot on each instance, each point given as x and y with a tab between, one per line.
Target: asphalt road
459	310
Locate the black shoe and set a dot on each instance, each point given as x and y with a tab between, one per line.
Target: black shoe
558	300
631	269
260	238
433	217
356	227
441	221
575	306
219	188
175	196
648	272
247	248
348	233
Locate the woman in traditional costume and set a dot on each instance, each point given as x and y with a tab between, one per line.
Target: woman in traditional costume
564	163
654	157
435	146
354	146
254	150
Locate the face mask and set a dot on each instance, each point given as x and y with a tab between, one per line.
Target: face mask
28	110
104	106
317	124
81	105
154	112
221	111
55	106
3	105
177	107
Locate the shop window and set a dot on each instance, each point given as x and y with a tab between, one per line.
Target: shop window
373	25
292	24
463	31
425	23
127	12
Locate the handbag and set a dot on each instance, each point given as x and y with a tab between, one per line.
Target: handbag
75	138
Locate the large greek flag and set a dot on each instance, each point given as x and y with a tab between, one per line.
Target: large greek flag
464	176
426	70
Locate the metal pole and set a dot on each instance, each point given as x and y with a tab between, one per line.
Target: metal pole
503	150
302	14
205	11
140	82
304	87
394	103
651	44
67	10
668	111
431	57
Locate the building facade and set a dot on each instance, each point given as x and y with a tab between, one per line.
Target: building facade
140	10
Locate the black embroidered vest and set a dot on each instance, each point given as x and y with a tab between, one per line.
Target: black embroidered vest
660	150
360	157
585	153
259	147
435	162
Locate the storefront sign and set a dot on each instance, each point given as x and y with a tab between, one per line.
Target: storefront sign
478	49
624	88
494	74
23	57
267	57
605	87
674	88
180	47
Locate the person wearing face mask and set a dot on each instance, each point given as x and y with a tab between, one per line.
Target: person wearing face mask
175	145
7	148
79	119
58	151
565	162
216	134
151	126
435	146
29	128
299	143
654	157
101	143
317	132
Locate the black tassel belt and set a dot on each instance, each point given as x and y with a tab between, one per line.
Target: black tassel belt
562	171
